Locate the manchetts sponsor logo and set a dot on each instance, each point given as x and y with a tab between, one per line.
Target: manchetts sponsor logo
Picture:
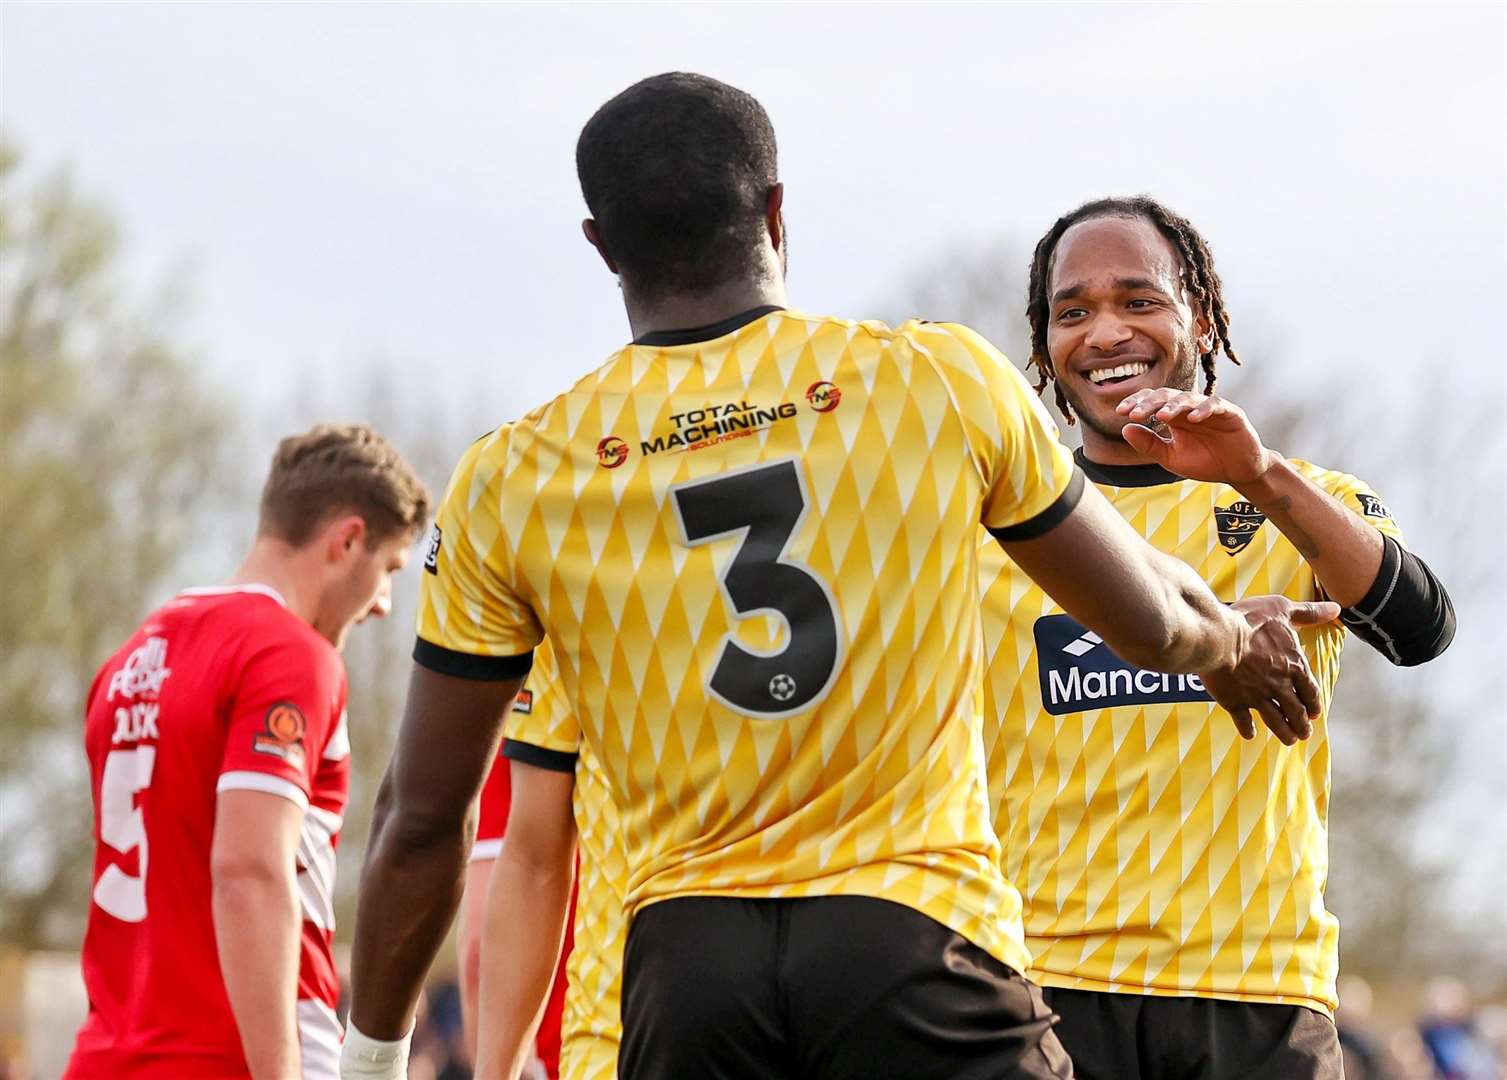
1079	673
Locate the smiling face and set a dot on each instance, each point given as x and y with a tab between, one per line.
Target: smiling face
1119	320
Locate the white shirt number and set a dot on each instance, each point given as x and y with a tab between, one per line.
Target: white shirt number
122	828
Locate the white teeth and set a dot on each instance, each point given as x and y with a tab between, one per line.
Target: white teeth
1099	376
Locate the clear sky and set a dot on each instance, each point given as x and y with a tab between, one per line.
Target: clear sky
345	182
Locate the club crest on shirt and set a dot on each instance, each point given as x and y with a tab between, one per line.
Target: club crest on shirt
1371	506
282	733
1237	524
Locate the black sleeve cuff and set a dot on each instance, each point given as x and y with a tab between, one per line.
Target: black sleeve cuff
1049	518
1406	615
466	666
538	756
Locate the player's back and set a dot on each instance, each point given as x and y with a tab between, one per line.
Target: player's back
751	547
160	715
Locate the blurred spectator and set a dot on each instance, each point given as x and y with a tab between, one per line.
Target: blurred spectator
1362	1049
1449	1033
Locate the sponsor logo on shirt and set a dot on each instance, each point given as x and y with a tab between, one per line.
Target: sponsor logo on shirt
524	702
1079	672
696	429
1237	524
823	396
432	556
282	733
1371	506
611	452
144	671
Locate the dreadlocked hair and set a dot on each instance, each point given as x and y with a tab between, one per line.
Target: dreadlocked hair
1201	279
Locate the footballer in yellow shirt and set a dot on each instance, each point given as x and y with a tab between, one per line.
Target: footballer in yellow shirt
750	538
1172	873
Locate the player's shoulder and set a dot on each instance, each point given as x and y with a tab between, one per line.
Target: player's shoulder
256	619
1336	482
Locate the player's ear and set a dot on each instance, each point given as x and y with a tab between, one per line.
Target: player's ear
344	535
773	220
1203	330
594	238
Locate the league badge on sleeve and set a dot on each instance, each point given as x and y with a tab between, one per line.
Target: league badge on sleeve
432	556
1237	524
282	733
1371	506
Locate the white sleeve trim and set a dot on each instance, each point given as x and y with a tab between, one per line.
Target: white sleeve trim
246	780
486	849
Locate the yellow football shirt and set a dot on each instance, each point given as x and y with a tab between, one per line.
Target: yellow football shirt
591	1025
752	548
1156	851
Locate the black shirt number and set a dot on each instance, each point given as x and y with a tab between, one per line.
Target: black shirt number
766	504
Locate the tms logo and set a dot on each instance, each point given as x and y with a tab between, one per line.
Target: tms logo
611	452
823	396
1079	672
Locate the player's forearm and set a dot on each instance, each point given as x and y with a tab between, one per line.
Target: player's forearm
257	927
524	927
1207	635
1343	550
472	914
410	887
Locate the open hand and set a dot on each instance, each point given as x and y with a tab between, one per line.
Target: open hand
1273	677
1208	438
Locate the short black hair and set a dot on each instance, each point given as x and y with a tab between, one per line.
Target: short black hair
676	170
1192	249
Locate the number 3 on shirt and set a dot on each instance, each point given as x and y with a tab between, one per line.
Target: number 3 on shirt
766	504
122	828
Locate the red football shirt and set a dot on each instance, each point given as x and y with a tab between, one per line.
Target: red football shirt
219	689
496	797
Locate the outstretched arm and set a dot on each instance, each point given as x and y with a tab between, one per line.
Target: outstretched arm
416	860
1154	611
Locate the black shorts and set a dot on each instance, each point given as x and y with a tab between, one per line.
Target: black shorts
828	987
1136	1037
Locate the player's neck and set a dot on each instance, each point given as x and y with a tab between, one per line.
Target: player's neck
706	309
1102	450
274	564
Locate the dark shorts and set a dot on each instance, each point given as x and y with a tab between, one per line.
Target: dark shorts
1135	1037
825	987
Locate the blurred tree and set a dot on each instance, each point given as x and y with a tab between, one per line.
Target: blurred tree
113	459
1395	890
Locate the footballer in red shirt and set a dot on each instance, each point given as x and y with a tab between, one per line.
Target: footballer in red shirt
220	764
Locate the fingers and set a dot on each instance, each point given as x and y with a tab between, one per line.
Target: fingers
1244	723
1294	711
1307	688
1146	441
1313	613
1276	723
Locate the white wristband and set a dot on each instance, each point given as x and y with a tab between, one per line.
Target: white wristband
365	1058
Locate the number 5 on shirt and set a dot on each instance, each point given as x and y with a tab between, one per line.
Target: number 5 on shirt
121	826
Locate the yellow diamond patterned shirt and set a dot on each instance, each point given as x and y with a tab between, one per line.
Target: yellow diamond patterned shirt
1157	852
752	547
544	735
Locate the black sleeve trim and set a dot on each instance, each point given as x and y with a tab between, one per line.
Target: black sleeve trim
1049	518
1406	615
529	754
466	666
